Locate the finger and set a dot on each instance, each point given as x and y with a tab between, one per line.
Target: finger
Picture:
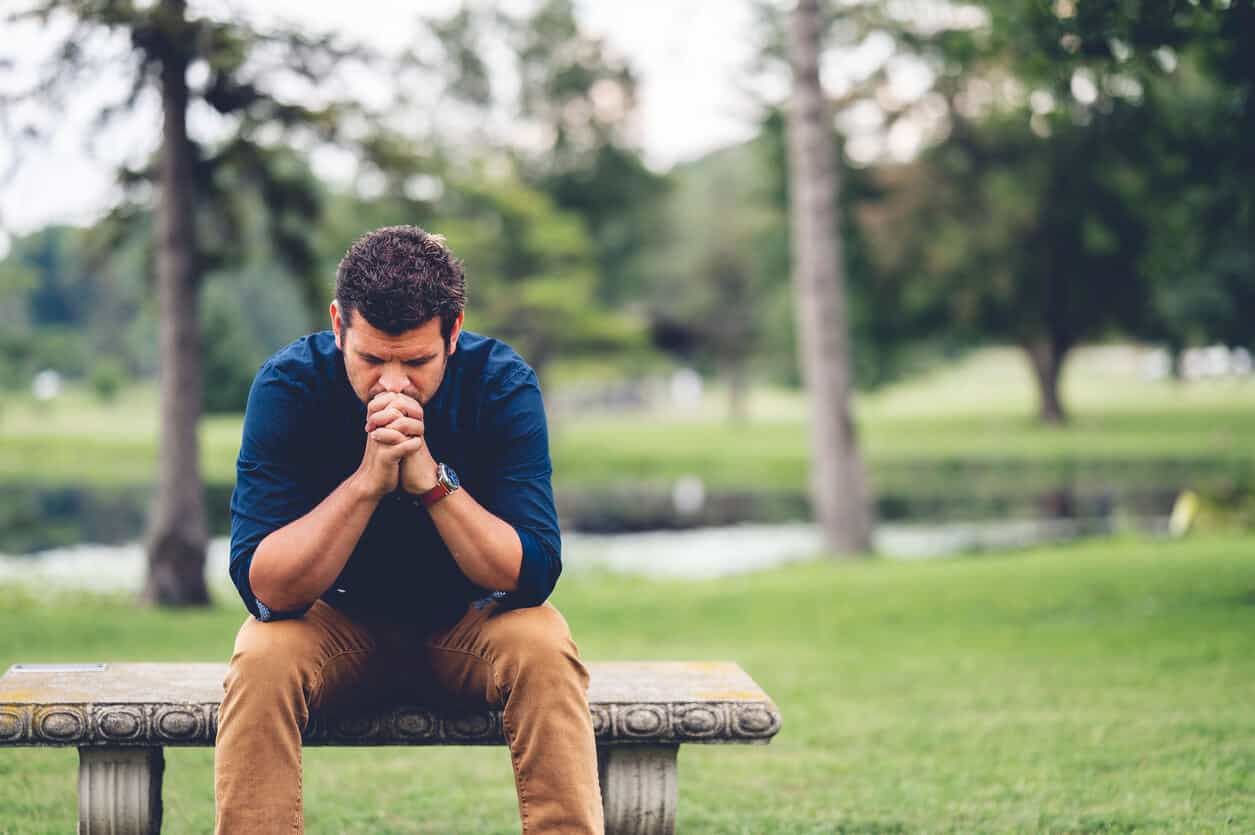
407	426
380	401
413	403
383	417
395	420
408	405
410	446
403	449
388	437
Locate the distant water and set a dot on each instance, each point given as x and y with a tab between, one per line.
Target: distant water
690	554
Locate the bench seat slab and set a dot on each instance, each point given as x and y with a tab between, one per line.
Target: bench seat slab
120	716
156	705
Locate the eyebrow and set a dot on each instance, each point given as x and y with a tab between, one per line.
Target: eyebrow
419	358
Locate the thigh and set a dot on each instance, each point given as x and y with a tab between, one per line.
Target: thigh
336	660
476	658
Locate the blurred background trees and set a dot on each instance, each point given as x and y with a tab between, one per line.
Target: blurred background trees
192	203
1038	174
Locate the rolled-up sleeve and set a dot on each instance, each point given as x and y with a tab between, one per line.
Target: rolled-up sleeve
521	490
269	490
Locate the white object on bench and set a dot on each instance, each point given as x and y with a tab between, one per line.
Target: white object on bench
121	716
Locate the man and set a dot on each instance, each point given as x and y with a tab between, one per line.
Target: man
393	535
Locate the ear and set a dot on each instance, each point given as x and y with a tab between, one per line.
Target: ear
456	331
335	323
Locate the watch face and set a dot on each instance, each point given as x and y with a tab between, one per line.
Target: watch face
448	477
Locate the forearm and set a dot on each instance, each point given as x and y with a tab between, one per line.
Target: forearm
486	548
295	564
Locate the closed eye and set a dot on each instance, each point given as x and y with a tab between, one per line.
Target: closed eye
371	359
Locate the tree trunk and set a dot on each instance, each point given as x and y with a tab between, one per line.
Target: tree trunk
838	482
1047	358
177	535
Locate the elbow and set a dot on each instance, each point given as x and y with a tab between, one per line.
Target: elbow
510	567
269	587
538	568
259	582
510	581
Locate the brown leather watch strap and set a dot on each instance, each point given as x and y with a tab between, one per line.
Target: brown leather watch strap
434	495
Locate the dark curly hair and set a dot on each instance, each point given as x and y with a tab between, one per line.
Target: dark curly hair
400	277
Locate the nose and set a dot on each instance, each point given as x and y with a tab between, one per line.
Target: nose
393	379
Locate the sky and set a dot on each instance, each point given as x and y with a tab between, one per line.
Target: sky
688	55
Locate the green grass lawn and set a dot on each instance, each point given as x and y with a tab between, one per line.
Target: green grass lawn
977	410
1101	687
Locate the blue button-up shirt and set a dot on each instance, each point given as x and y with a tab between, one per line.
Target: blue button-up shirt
303	437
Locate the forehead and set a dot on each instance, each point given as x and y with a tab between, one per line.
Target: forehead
364	337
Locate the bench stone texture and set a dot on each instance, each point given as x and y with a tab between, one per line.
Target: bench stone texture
121	716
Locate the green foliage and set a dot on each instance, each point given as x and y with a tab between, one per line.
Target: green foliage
229	357
1007	693
582	96
549	238
1199	197
46	302
1085	182
531	272
100	277
713	280
571	83
721	293
1184	71
107	379
1026	240
48	272
253	198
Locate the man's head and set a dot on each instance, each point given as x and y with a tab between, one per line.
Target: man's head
398	311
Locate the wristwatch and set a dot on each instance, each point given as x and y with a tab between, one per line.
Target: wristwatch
446	483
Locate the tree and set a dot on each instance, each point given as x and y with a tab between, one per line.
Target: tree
197	221
533	269
45	304
1200	201
1033	218
1027	240
551	216
838	479
567	129
719	295
580	97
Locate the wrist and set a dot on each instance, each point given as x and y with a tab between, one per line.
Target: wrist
362	489
446	483
421	477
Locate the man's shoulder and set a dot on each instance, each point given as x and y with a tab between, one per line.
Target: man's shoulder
307	362
492	361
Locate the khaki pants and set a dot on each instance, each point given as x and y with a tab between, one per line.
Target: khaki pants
521	659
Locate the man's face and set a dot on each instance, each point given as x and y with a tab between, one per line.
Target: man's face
411	363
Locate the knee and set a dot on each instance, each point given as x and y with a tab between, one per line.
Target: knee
266	661
535	646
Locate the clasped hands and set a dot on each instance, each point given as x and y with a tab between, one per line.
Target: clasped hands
396	450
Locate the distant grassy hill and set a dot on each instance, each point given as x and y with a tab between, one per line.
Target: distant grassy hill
972	420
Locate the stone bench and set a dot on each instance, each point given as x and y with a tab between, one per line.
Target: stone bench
121	716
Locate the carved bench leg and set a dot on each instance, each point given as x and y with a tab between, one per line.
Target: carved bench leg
638	788
119	791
